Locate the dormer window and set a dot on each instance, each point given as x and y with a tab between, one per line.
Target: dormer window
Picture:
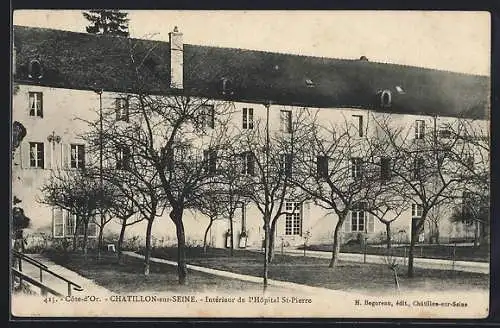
226	87
309	83
35	70
400	90
385	99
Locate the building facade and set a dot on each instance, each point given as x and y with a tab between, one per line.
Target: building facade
58	75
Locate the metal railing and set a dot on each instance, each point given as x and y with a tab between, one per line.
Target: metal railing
42	268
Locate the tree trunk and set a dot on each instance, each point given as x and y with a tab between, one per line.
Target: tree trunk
100	241
388	232
336	242
85	239
147	255
74	241
205	236
266	252
272	240
176	216
231	231
120	241
415	231
476	234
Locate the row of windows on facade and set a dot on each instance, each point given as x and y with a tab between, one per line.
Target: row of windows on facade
360	221
123	154
207	117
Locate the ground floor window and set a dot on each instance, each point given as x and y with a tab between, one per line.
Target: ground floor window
66	224
293	218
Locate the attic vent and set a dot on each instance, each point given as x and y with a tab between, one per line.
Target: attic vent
226	87
309	83
35	70
400	90
363	58
385	99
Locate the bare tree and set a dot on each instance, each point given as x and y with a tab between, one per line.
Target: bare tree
336	170
426	164
79	193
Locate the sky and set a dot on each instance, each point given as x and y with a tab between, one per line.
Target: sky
454	41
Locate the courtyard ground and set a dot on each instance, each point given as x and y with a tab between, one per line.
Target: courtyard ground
364	278
445	252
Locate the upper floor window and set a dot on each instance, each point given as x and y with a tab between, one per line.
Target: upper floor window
358	123
469	162
286	121
286	164
416	210
36	104
418	166
356	168
122	109
122	158
248	163
385	168
248	118
322	166
207	116
37	155
419	129
210	161
445	132
77	156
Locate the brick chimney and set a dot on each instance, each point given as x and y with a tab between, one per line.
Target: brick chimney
176	59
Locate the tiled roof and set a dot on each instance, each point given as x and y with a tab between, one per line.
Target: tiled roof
85	61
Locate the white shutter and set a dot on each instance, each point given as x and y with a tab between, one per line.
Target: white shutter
371	223
66	153
57	222
347	223
25	154
48	153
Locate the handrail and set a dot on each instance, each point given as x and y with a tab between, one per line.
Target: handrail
43	267
43	288
28	259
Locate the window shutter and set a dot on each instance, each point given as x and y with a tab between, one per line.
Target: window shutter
371	223
66	155
57	222
25	155
251	163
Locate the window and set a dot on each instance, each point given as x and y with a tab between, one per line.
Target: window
248	163
122	109
358	220
58	223
322	166
248	118
65	225
77	156
385	168
36	104
70	224
293	218
467	205
210	161
35	70
385	99
356	168
469	162
358	121
416	210
419	129
418	166
444	132
286	121
207	118
36	155
286	164
122	158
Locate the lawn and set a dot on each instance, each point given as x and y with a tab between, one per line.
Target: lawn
462	253
129	278
348	276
